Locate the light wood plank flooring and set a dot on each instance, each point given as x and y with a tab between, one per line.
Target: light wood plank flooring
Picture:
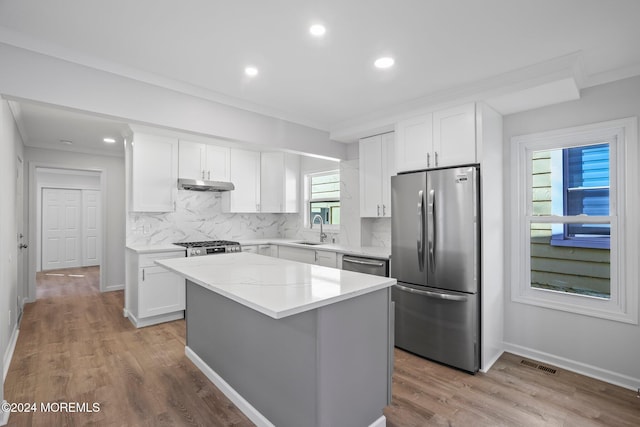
75	346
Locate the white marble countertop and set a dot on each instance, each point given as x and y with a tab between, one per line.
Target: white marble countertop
275	287
162	247
363	251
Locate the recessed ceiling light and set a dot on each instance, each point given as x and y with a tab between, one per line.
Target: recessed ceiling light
109	140
384	62
66	141
317	30
251	71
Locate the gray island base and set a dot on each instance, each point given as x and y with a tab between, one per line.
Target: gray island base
325	367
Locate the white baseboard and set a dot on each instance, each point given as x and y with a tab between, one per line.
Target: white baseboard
488	365
577	367
154	320
8	355
113	288
252	413
4	416
380	422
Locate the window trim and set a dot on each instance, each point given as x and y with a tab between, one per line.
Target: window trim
623	302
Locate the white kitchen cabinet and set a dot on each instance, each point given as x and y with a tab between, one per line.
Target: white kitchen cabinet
245	175
297	254
279	177
414	143
377	165
326	258
454	136
309	256
203	161
153	293
268	250
439	139
154	173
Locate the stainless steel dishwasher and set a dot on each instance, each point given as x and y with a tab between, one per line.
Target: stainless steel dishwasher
378	267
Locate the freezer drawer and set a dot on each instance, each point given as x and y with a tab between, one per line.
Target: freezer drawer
441	326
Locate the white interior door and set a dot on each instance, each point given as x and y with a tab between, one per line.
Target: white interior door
61	228
91	236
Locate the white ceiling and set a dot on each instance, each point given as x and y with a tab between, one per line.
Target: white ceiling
438	46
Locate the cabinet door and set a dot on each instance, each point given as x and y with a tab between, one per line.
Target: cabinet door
388	170
370	176
272	171
245	175
217	163
454	136
279	177
154	173
191	160
297	254
268	250
414	143
160	292
326	258
251	249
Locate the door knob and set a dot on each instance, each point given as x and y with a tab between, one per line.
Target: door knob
23	246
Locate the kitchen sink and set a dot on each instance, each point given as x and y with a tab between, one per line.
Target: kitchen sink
309	243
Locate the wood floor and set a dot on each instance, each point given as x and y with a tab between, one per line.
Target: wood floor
75	346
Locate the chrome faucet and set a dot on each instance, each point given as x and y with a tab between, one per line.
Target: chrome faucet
323	235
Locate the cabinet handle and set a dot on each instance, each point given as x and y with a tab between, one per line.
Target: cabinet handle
428	159
436	158
143	274
209	175
203	174
316	255
378	210
384	210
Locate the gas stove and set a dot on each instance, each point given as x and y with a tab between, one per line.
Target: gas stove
210	247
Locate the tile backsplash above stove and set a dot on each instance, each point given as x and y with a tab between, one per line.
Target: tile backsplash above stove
199	216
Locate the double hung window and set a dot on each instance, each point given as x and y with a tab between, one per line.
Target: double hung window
567	229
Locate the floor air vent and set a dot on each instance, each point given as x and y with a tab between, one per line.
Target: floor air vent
536	366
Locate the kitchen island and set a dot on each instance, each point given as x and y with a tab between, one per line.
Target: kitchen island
291	344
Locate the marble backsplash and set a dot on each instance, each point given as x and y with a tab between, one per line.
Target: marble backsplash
199	216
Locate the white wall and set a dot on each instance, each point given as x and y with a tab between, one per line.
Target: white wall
10	148
601	348
33	76
114	219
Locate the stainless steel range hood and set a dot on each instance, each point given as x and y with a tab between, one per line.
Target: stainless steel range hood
198	185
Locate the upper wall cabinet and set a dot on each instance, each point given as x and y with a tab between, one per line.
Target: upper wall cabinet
279	176
439	139
154	173
376	168
244	173
265	182
203	161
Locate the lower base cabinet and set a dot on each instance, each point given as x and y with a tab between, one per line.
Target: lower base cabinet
309	256
153	294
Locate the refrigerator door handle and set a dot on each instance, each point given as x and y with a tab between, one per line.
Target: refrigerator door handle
431	240
421	227
430	294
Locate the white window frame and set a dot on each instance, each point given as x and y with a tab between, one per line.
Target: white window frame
623	302
307	200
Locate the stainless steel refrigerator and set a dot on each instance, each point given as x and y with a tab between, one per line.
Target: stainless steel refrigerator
435	256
